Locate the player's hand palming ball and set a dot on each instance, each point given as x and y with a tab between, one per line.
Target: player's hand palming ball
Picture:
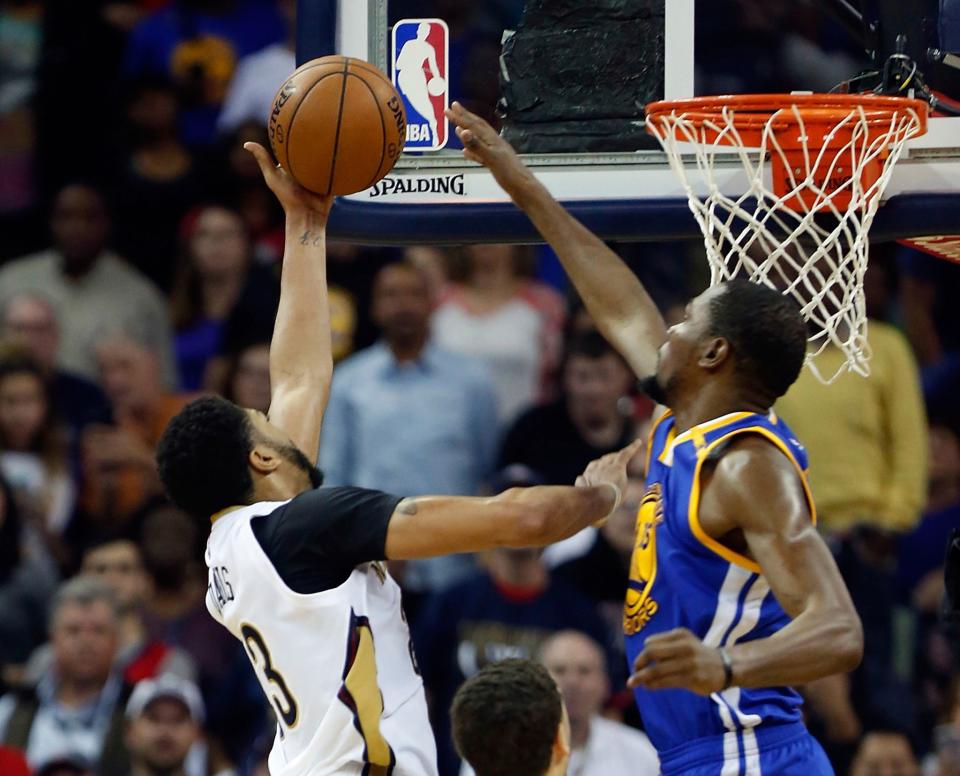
337	125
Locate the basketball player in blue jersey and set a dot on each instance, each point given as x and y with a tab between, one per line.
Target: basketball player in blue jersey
733	596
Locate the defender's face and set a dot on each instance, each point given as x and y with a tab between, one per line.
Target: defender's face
678	355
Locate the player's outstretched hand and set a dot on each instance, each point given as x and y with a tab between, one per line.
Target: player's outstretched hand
482	144
678	659
293	197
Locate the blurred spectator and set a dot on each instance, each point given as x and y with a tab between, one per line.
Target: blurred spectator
164	733
921	552
509	720
176	615
241	185
929	288
158	180
352	271
507	610
558	440
94	291
512	322
408	416
27	581
198	43
247	378
119	562
30	321
866	436
76	708
259	76
33	447
119	468
885	753
920	575
216	279
71	765
433	262
21	31
598	746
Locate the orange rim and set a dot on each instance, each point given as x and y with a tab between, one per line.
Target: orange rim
754	111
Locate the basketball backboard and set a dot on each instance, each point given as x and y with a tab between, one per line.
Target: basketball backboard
434	196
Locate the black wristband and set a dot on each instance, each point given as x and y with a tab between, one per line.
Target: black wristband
727	668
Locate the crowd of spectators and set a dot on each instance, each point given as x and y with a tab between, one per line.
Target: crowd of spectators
139	262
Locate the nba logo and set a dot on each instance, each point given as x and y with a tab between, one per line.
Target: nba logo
420	56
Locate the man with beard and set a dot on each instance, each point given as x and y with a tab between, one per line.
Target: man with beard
295	570
733	595
164	718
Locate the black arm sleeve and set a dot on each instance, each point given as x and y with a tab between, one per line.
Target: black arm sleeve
317	539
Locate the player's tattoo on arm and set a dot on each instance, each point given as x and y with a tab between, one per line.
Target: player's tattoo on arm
310	237
407	507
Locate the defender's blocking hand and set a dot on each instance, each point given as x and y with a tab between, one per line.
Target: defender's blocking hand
482	144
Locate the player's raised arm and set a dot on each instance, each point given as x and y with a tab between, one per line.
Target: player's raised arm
301	362
759	487
520	517
615	298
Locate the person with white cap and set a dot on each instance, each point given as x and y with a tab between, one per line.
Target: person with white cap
164	728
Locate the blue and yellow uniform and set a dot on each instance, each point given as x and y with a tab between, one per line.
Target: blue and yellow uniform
681	577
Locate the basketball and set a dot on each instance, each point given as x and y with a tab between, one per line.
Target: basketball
436	86
337	125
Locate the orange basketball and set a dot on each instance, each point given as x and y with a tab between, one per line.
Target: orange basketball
337	125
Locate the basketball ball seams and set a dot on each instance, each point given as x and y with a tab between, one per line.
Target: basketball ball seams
338	127
291	123
383	129
372	69
336	135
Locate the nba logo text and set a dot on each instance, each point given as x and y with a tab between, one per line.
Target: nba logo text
421	56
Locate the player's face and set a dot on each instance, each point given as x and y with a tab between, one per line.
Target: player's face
281	443
677	358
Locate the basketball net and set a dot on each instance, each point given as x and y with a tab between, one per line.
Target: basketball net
816	167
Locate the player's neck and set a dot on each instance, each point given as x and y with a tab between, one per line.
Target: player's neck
713	400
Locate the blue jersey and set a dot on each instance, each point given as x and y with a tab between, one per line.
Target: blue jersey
680	577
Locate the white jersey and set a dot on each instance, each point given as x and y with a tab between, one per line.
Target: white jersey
337	666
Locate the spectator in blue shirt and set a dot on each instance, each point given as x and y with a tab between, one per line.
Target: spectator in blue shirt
408	417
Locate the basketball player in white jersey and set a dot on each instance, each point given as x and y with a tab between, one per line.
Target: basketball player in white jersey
412	79
296	572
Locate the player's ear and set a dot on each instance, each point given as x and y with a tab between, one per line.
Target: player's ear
714	352
263	459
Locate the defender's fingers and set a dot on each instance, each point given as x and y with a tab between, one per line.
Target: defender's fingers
630	450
